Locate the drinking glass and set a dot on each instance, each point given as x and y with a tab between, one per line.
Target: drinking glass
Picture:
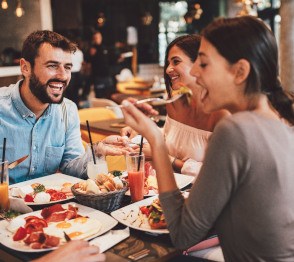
4	196
95	169
136	175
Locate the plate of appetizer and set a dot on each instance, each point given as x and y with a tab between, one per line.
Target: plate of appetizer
43	230
145	215
44	190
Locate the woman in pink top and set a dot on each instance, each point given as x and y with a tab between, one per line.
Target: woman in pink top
186	123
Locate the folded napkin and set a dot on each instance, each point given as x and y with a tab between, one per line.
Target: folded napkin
18	204
110	239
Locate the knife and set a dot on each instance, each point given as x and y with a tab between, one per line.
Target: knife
16	162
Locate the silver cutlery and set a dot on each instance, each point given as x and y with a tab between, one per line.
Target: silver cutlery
16	162
138	255
154	101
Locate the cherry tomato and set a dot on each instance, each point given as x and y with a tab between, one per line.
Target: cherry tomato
145	210
20	234
28	198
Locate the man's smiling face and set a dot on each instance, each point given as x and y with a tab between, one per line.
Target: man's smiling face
51	74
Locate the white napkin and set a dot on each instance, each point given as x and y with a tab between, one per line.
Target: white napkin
110	239
18	204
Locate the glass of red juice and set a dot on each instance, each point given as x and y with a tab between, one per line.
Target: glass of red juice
135	167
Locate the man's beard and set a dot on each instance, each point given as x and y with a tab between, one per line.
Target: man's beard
40	91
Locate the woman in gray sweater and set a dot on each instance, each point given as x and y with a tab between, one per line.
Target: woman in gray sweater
246	184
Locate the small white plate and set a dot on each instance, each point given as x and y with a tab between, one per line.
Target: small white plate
129	216
54	181
181	180
106	221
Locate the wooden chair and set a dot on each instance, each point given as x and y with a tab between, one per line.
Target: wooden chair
103	102
94	114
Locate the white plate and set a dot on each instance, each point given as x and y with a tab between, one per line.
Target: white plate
129	216
50	182
106	221
181	180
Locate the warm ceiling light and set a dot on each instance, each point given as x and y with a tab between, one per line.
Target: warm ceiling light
4	4
147	18
19	11
101	19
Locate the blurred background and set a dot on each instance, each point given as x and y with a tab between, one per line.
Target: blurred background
139	29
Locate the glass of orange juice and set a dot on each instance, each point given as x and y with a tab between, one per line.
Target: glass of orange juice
4	182
135	167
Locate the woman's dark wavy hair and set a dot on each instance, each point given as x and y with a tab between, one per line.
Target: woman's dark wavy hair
249	38
30	48
189	44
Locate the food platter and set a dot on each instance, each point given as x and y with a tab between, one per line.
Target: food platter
130	216
106	223
181	180
55	182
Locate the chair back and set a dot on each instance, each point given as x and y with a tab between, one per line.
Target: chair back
94	114
103	102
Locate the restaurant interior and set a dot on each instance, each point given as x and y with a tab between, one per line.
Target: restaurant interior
138	32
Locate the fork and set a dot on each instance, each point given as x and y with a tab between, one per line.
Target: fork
138	255
154	101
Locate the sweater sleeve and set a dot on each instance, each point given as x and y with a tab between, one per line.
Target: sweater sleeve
189	221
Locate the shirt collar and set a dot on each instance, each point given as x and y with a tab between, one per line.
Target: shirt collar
21	107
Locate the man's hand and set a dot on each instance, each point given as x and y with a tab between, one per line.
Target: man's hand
74	251
112	146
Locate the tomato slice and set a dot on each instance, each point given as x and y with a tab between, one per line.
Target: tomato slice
28	198
57	196
158	225
20	234
50	191
145	210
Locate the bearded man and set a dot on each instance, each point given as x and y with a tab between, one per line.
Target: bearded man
35	118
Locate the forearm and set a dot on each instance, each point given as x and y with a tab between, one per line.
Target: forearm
164	172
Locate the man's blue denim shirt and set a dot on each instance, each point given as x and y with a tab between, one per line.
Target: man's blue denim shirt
50	144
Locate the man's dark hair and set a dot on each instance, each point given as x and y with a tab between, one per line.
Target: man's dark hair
32	43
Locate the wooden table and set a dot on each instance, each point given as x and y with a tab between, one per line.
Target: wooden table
134	86
105	127
160	246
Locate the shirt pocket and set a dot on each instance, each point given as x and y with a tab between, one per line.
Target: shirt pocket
53	157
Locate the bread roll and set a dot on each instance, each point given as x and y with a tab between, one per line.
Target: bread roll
92	187
109	185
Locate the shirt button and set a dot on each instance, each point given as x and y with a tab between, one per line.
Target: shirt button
34	147
33	168
23	116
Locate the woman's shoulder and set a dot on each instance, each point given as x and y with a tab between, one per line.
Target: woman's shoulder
215	117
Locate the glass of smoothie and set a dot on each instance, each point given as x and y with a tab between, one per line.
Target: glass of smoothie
136	174
4	182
